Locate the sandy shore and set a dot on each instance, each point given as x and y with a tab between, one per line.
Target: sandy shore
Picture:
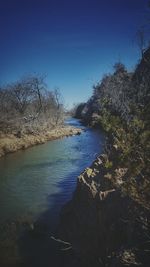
10	143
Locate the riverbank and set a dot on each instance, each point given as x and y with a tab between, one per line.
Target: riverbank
107	223
103	226
11	143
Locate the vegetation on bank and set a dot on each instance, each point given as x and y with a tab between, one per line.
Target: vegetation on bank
28	107
121	106
30	114
10	143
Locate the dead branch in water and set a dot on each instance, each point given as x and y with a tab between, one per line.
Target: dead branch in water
60	241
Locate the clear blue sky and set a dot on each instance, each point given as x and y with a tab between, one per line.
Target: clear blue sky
73	42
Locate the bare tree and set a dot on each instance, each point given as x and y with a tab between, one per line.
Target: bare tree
59	106
20	95
28	105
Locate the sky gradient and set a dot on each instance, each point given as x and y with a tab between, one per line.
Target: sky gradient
73	43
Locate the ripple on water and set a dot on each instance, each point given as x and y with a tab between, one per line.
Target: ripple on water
38	181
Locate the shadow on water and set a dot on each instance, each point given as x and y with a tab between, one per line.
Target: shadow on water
44	165
36	247
26	243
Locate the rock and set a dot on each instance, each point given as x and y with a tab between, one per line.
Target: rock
99	220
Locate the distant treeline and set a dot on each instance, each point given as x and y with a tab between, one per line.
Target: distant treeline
27	106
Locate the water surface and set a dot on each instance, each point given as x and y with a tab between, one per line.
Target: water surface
36	182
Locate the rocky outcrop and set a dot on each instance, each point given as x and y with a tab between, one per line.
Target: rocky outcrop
101	224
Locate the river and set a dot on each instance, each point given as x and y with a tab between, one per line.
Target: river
34	185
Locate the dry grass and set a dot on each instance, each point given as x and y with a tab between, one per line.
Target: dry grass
10	143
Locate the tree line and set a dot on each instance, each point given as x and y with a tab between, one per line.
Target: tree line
27	106
120	104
